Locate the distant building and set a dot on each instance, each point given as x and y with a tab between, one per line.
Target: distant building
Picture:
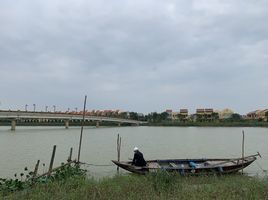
172	115
257	114
225	113
183	114
252	114
262	114
200	111
169	112
208	111
204	114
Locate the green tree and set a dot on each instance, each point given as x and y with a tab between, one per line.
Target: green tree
236	117
163	116
215	116
123	115
151	117
154	117
133	115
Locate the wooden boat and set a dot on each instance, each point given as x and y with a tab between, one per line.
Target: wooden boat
191	166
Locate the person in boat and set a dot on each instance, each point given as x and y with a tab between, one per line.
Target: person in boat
138	159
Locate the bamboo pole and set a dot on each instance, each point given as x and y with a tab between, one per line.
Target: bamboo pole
82	128
243	149
52	159
118	149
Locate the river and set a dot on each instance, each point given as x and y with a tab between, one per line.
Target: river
26	145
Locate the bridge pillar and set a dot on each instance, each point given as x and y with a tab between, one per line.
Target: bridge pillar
97	124
13	124
66	124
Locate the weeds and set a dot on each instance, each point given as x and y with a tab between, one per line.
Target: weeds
153	186
26	179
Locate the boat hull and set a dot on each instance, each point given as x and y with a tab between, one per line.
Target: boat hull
190	166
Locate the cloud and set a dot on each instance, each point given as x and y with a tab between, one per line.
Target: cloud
142	56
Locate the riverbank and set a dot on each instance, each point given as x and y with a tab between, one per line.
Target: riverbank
210	124
159	186
161	123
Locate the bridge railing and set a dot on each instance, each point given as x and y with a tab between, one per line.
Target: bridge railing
17	115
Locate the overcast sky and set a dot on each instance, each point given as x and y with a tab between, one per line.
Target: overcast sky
134	55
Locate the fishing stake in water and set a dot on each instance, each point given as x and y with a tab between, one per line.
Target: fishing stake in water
243	149
118	149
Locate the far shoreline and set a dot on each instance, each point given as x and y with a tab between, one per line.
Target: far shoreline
210	124
261	124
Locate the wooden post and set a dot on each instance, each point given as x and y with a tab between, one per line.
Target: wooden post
70	156
36	168
82	128
52	159
118	150
13	124
56	168
66	124
243	149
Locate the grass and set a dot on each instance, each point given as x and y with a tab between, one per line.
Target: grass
156	187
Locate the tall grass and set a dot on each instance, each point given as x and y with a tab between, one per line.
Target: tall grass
156	186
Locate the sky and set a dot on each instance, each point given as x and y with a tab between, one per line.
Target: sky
143	55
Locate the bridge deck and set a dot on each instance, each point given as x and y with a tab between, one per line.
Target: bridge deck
63	116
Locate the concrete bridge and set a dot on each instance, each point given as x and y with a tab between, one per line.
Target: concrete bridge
14	116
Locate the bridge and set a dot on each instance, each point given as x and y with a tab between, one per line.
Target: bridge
66	118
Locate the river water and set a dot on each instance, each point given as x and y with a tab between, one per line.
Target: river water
26	145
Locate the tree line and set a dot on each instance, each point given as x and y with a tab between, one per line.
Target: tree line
155	117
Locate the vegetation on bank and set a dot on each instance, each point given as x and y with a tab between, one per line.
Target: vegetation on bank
27	180
161	123
235	120
211	124
154	186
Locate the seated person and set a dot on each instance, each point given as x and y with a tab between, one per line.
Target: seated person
138	159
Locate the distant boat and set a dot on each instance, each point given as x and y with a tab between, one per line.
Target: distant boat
191	166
